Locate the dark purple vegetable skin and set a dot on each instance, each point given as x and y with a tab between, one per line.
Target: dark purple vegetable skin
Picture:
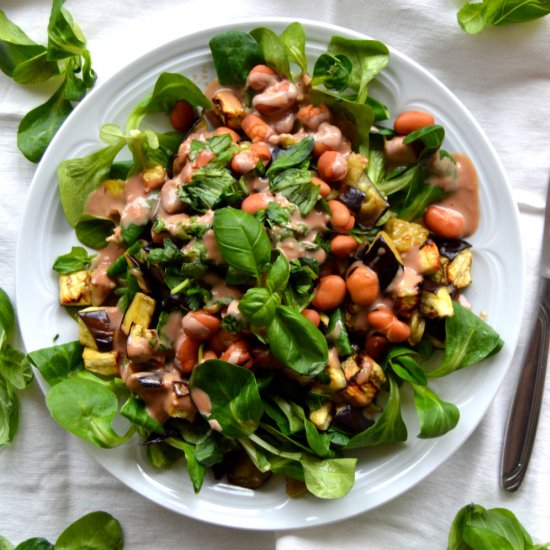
351	420
99	325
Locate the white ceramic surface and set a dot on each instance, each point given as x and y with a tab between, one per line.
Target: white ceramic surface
382	473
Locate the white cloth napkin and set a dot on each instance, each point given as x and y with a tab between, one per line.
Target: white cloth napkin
501	75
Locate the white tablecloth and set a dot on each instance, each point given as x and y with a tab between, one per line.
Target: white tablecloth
502	75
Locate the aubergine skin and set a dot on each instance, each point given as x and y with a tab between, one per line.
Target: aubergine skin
450	248
99	325
351	420
383	259
352	198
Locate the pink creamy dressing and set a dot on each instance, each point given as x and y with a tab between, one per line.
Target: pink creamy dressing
133	205
462	183
102	284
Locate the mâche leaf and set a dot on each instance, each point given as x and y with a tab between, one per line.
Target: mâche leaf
293	38
94	531
473	17
437	417
57	362
273	50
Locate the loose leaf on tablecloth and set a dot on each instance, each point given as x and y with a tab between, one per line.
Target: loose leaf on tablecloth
473	17
65	59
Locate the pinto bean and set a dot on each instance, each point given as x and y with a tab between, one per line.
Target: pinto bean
312	316
262	151
376	346
324	187
225	130
330	293
332	166
340	214
253	203
200	325
203	158
410	121
343	246
260	77
220	341
383	320
444	222
238	354
362	285
208	355
256	128
327	138
277	97
187	352
244	161
311	116
348	227
182	116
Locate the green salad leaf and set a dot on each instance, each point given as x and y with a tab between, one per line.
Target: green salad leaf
473	17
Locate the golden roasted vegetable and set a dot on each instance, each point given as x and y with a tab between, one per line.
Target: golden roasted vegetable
406	235
436	303
140	312
75	289
459	270
322	417
98	362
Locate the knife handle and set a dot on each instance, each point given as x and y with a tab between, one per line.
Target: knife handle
524	414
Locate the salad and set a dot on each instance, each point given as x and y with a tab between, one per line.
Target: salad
269	273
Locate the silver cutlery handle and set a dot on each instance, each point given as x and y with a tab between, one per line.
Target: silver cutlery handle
524	414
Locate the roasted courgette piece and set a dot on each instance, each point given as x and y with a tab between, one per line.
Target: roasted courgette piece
436	303
383	258
365	378
417	324
100	362
428	258
140	312
406	235
459	269
322	417
333	378
75	289
142	343
356	168
407	295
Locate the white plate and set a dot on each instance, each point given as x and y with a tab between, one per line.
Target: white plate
382	473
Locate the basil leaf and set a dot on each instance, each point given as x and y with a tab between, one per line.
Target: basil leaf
5	544
273	50
206	188
337	333
330	478
75	260
295	185
95	531
86	408
389	426
93	231
278	275
471	17
259	306
7	318
368	58
437	417
9	412
15	368
333	71
294	40
38	126
236	404
79	177
292	157
468	339
296	342
242	241
234	54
